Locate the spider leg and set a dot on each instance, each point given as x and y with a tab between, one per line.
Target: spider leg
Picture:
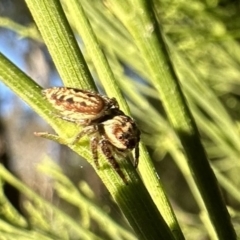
136	157
104	144
63	117
84	122
94	149
85	131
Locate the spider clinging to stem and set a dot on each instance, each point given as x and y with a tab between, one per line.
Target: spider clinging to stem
107	126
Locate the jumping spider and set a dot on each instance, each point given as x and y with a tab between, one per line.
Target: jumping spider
108	127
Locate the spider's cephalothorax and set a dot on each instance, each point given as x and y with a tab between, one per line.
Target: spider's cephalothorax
118	135
108	127
122	132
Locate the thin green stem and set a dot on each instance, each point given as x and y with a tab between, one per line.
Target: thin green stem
133	199
105	74
30	92
77	15
111	87
61	43
139	18
30	194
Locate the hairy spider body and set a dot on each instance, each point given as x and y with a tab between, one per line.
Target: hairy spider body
117	135
122	132
107	126
80	106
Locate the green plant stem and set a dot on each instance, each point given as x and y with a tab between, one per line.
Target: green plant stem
133	199
8	211
77	14
139	18
93	48
61	43
29	91
23	31
30	194
64	186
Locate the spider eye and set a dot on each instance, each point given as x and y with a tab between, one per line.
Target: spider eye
121	137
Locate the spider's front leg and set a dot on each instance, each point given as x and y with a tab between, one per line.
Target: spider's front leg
85	131
70	118
136	156
94	148
105	146
66	118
